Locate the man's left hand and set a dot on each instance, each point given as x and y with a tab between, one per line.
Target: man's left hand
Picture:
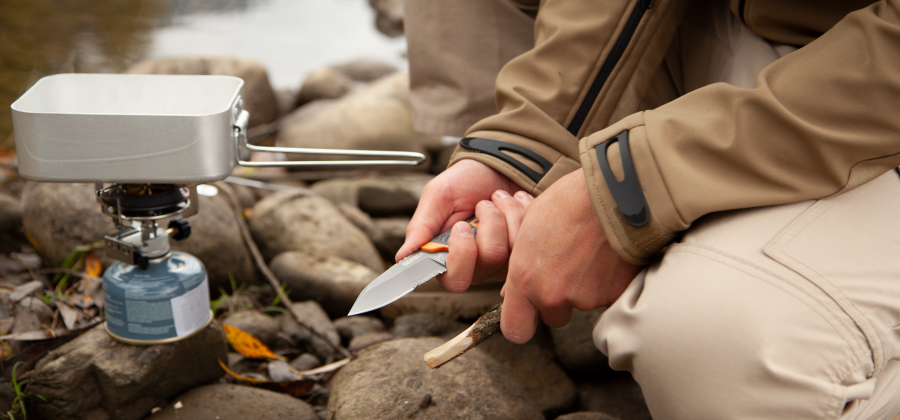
560	260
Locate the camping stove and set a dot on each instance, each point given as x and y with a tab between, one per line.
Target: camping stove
151	294
146	141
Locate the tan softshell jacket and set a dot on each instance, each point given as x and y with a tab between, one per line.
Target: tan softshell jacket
820	121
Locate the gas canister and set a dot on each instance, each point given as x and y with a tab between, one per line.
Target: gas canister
166	302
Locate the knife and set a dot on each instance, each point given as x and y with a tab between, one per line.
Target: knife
420	266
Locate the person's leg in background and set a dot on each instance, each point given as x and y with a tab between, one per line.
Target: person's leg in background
456	49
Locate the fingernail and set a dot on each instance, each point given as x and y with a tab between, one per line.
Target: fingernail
501	194
523	195
487	203
463	229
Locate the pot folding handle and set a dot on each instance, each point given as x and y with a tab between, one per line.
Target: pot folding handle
242	148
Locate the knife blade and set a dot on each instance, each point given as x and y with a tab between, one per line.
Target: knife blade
411	272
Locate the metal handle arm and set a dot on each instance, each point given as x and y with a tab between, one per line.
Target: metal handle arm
240	141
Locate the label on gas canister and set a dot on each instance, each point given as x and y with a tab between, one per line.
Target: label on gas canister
191	310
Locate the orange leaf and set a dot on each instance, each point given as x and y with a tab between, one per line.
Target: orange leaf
242	378
247	345
92	266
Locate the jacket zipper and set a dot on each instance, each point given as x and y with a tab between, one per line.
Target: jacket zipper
614	55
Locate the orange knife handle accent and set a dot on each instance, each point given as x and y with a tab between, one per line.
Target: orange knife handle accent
442	241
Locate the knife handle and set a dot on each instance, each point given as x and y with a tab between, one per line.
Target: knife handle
442	242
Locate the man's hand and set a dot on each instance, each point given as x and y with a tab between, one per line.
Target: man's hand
453	196
561	260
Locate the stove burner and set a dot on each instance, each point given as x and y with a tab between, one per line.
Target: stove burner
145	200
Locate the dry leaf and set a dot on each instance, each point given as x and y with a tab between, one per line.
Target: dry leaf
247	345
92	266
69	314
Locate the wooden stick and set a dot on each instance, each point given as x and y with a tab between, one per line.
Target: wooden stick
484	328
270	276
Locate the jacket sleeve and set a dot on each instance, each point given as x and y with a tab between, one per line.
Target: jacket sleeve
820	121
553	94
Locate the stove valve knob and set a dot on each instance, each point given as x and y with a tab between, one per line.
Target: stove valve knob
179	229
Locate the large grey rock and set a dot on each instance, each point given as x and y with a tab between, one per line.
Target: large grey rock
391	380
236	402
384	195
12	235
62	216
124	381
617	395
376	118
365	340
255	323
545	382
332	281
291	221
326	83
574	345
259	98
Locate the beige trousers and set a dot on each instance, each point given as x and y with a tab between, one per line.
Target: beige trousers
783	312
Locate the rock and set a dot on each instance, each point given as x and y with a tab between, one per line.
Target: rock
427	324
365	70
617	395
359	218
362	341
548	386
324	83
305	361
255	323
12	235
217	241
125	381
574	345
544	381
376	118
332	281
259	98
386	195
390	380
292	221
62	216
390	234
586	415
315	317
353	326
431	297
280	371
236	402
389	16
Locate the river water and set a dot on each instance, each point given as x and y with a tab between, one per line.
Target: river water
290	37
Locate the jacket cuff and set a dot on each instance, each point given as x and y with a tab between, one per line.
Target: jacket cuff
560	164
635	241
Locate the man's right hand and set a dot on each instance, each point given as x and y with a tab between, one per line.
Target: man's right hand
453	196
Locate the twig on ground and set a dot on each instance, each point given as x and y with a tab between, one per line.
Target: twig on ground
270	277
481	330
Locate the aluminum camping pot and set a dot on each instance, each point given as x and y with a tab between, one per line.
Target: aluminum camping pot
166	302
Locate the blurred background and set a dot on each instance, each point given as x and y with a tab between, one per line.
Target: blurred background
290	38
